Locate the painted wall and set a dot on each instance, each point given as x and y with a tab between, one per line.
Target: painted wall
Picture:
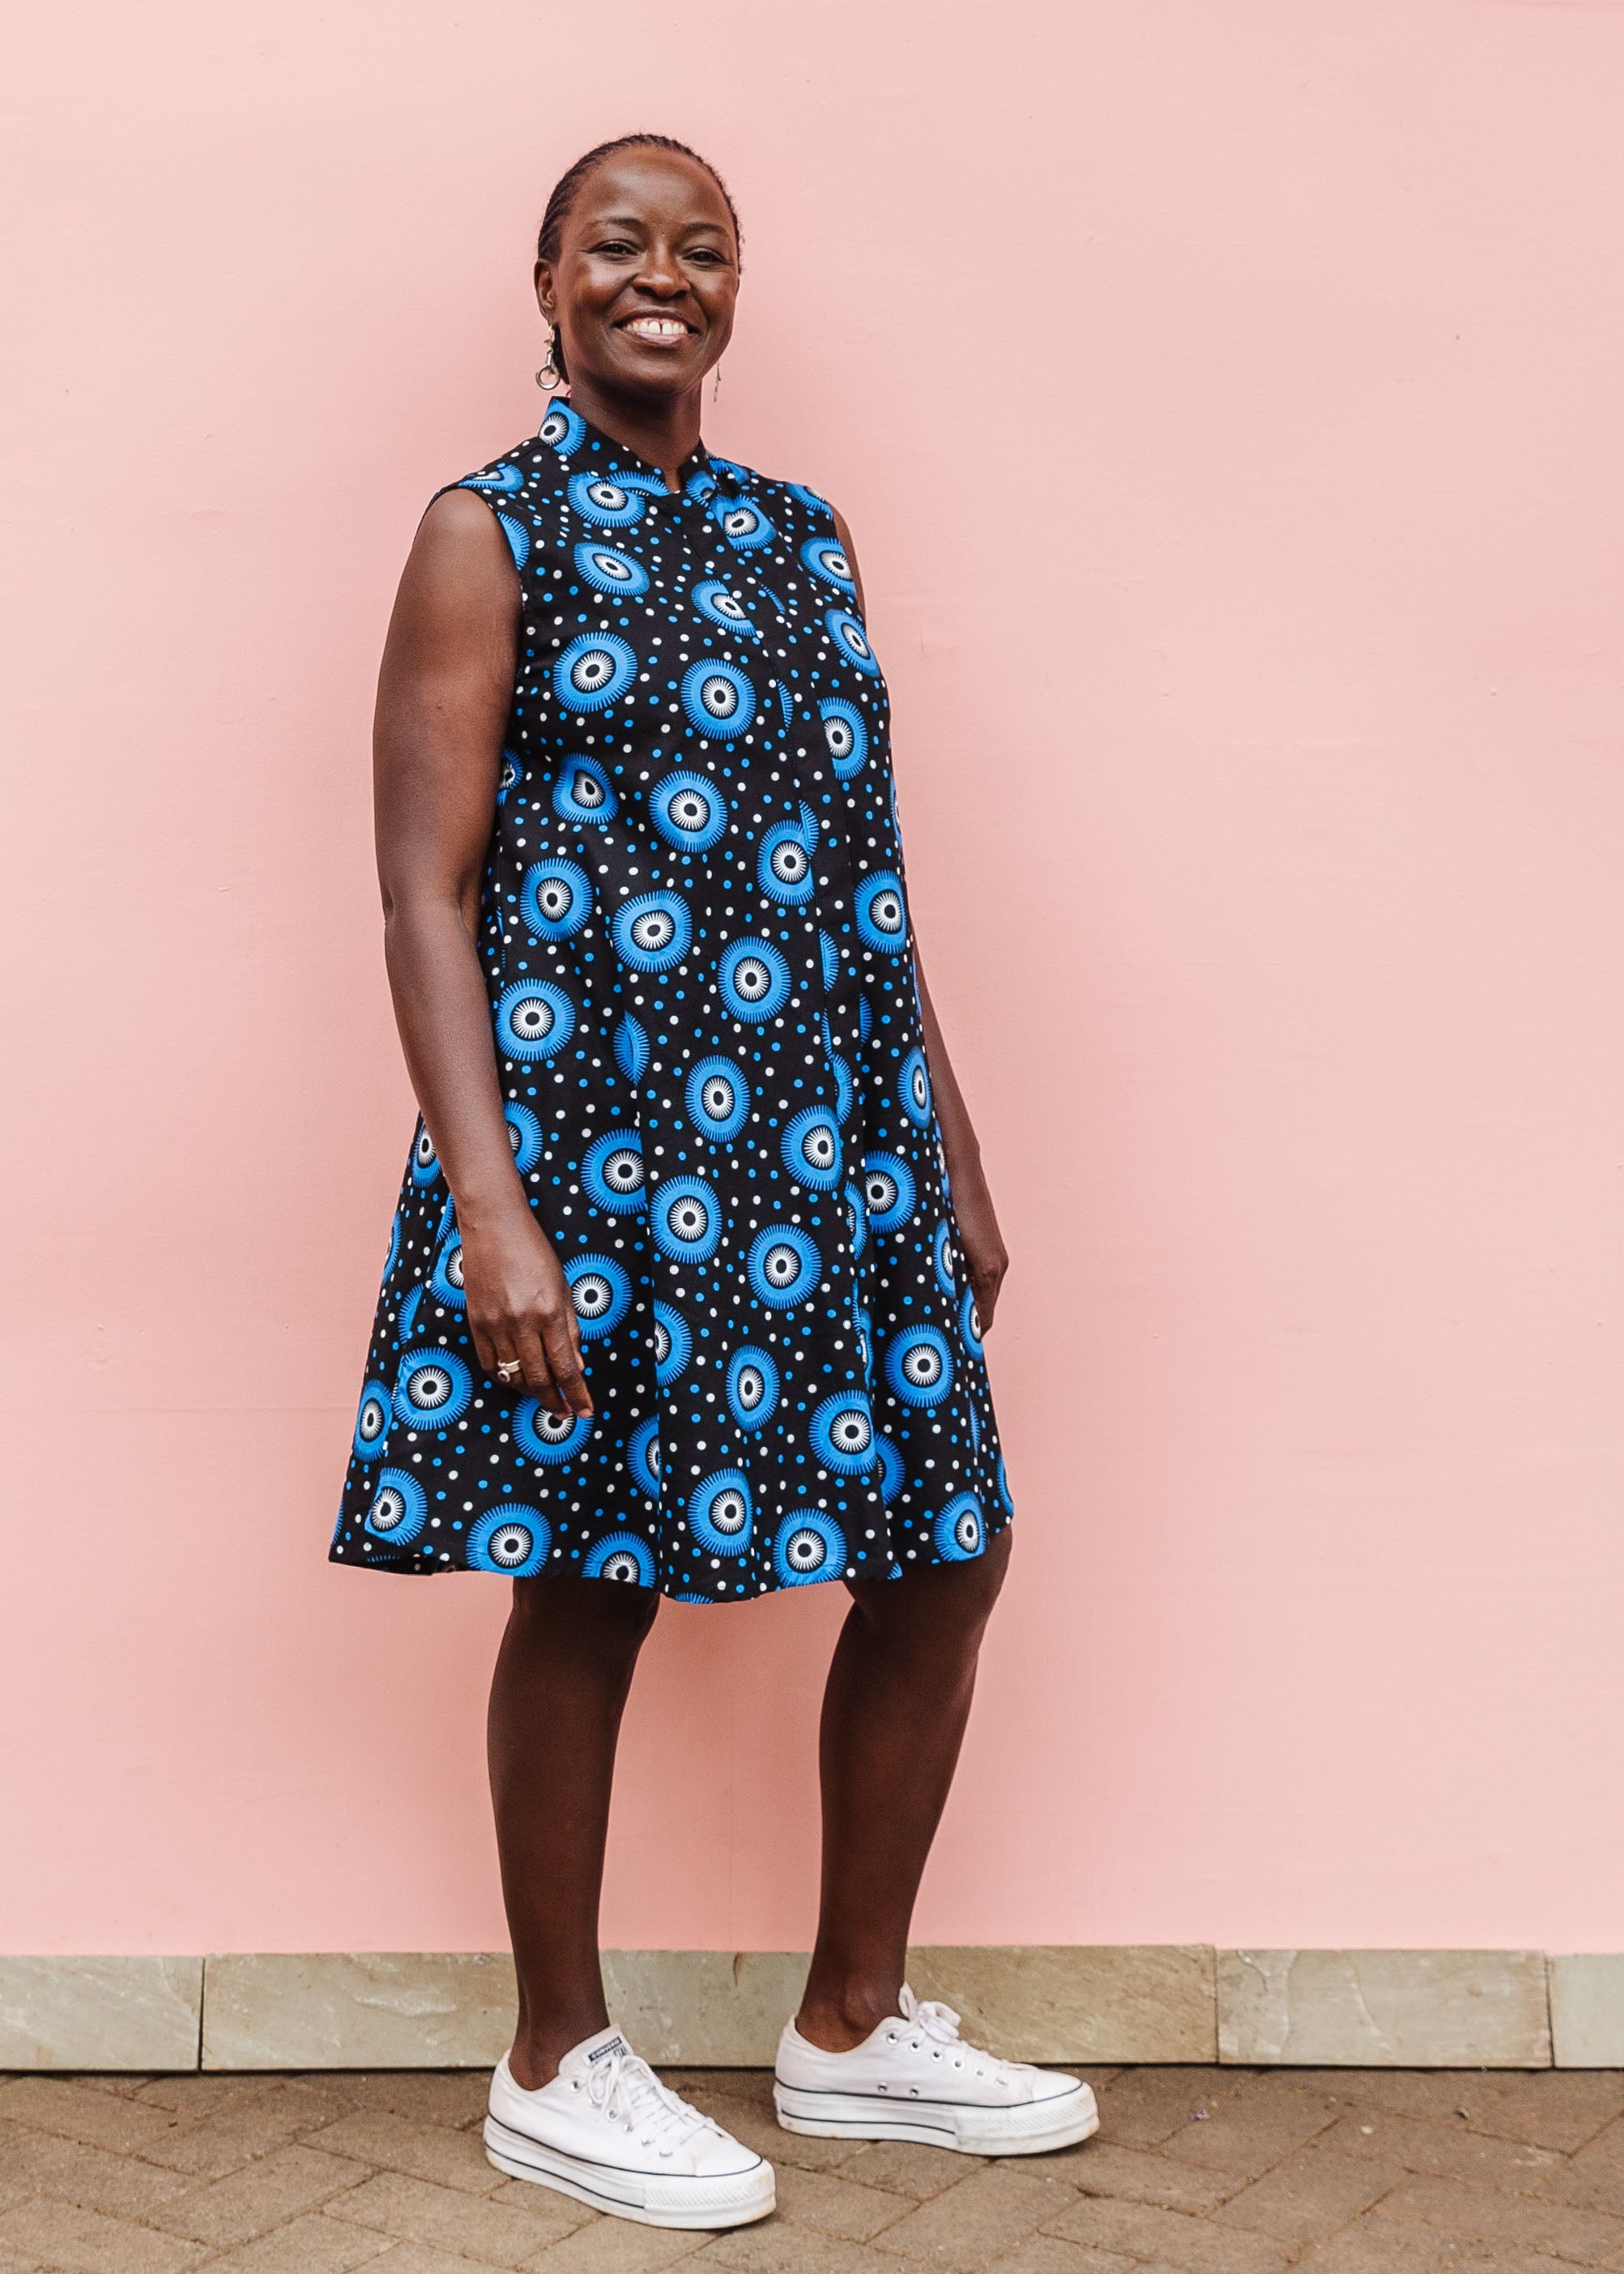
1225	401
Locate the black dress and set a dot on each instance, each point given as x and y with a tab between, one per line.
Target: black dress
696	947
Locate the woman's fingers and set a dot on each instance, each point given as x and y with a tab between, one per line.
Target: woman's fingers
536	1373
562	1338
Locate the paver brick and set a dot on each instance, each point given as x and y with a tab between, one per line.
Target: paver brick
1250	2131
1135	2176
1047	2253
1555	2108
428	2151
776	2248
984	2214
63	2234
1484	2214
1311	2194
1195	2246
1594	2179
904	2166
261	2196
1385	2245
615	2246
1448	2153
78	2111
43	2163
502	2233
1439	2092
453	2098
837	2206
312	2244
1143	2107
239	2130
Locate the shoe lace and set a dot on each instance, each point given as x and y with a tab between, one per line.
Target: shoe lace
624	2088
938	2022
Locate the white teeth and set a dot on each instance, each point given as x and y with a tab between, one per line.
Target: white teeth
657	327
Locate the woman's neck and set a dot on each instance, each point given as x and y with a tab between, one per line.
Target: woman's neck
663	431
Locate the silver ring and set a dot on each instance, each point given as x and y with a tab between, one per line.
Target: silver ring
508	1369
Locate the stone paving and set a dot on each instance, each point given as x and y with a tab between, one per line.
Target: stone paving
1194	2170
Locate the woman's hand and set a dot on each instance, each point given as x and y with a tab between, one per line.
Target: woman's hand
986	1258
519	1307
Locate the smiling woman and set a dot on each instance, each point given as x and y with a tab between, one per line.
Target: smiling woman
694	1255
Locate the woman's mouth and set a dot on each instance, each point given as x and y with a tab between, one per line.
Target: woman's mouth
662	329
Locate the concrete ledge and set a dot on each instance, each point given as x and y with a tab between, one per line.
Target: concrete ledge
128	2014
348	2009
1587	2012
1383	2008
703	2009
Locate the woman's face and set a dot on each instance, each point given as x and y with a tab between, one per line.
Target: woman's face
647	272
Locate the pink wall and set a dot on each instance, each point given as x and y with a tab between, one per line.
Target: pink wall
1225	400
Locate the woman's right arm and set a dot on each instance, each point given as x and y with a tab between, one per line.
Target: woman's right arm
444	694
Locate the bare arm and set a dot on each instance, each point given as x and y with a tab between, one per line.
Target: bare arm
443	697
986	1259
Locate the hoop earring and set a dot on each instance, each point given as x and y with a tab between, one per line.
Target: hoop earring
550	376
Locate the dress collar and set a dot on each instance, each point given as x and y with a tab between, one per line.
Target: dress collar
697	460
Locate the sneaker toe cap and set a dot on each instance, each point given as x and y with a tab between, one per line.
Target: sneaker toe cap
719	2155
1054	2084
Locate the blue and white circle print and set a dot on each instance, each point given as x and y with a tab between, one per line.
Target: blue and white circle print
534	1019
556	898
810	1545
400	1508
717	1098
812	1149
584	794
784	1267
607	570
606	503
432	1389
686	1219
694	934
550	1438
612	1175
601	1292
623	1557
689	812
673	1345
593	673
842	1434
720	1513
919	1365
751	1388
513	1539
372	1429
653	931
716	602
719	700
754	980
959	1530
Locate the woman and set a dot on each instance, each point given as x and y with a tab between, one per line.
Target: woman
675	1296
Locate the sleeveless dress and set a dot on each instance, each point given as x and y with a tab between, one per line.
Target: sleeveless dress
696	943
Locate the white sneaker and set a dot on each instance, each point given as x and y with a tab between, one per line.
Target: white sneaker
915	2078
608	2132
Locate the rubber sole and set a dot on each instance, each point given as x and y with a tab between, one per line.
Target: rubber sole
1066	2120
720	2204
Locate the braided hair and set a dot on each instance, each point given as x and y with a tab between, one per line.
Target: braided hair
567	188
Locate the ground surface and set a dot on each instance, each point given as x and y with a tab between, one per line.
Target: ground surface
1194	2170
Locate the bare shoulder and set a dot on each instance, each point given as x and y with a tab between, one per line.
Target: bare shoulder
458	575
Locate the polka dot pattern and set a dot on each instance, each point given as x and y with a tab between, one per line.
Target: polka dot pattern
695	943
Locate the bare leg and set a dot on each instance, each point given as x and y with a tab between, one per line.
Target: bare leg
894	1712
561	1679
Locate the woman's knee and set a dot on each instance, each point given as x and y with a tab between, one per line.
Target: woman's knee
943	1599
600	1617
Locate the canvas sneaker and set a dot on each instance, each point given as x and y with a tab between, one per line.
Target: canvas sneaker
915	2078
606	2131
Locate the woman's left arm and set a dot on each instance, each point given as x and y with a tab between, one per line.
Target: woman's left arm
986	1259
